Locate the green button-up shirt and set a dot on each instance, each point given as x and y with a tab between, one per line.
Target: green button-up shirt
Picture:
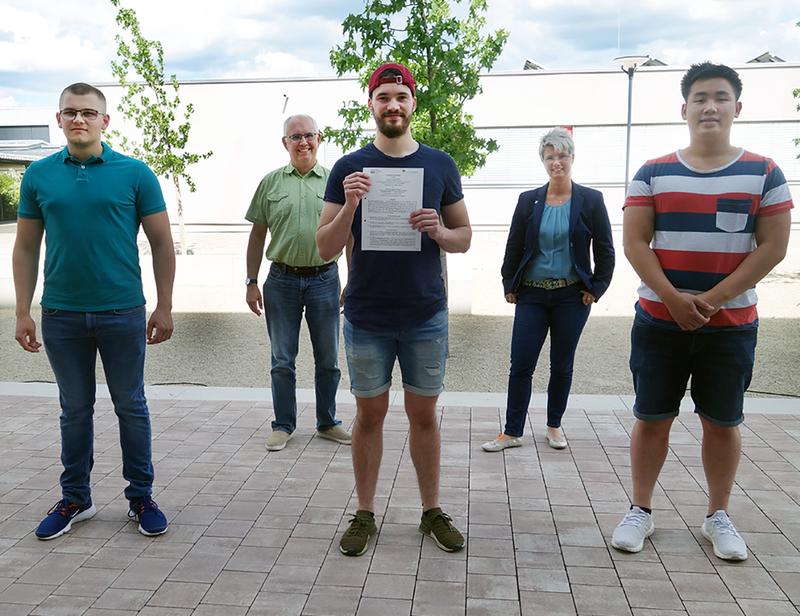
289	205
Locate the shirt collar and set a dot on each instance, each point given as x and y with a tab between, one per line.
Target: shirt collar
92	160
316	170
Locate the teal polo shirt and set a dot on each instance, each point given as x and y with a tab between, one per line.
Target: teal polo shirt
91	213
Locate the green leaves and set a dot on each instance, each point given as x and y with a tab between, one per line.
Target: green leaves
152	102
9	194
446	56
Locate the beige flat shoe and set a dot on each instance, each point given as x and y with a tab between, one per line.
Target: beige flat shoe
336	433
503	441
277	440
556	443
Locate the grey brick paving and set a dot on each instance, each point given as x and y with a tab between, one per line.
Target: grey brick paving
256	533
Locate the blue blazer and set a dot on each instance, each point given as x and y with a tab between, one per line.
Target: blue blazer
588	224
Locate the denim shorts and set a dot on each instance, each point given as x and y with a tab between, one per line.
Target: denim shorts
421	351
720	365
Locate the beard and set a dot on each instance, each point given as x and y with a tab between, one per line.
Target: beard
393	130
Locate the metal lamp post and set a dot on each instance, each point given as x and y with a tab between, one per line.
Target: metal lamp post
629	64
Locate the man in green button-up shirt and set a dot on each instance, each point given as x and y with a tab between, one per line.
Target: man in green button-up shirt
287	203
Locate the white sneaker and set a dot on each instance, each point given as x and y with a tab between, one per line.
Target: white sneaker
719	530
502	441
636	526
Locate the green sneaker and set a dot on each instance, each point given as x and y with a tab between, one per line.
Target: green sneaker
355	540
438	525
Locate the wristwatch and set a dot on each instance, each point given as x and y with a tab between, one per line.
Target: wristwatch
249	281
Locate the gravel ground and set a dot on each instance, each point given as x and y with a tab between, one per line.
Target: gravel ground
232	350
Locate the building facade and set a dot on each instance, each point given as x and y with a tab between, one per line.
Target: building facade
242	120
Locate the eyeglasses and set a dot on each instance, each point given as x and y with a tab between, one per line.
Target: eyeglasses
87	114
298	136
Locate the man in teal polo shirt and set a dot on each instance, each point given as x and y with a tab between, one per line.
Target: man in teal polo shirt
287	203
91	200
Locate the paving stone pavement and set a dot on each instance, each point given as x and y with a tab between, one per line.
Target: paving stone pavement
256	533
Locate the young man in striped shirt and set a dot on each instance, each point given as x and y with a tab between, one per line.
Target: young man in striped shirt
701	227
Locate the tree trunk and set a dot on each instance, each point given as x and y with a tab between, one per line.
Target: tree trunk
182	231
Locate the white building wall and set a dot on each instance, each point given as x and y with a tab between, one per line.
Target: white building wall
241	121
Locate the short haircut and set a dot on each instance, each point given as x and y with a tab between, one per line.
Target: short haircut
707	70
295	117
559	139
80	89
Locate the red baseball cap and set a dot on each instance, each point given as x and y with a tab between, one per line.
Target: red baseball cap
404	78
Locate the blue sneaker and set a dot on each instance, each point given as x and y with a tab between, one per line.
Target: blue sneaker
60	518
151	520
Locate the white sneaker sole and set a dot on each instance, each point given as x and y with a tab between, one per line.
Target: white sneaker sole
279	447
636	548
83	515
346	553
147	534
717	553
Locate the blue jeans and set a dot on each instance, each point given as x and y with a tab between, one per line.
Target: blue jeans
562	312
72	340
286	297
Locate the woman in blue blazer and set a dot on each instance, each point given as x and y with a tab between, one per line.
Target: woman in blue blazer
548	274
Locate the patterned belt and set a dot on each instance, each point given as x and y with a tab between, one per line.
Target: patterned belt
550	283
303	271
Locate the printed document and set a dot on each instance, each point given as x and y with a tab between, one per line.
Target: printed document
393	194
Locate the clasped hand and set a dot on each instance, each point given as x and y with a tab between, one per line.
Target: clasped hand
690	311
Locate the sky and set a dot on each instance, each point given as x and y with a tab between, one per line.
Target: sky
46	44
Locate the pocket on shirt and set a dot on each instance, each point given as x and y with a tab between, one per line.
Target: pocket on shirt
278	197
279	207
732	214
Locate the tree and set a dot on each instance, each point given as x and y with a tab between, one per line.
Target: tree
445	54
9	194
152	103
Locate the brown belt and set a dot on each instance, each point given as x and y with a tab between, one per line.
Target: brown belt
550	283
303	271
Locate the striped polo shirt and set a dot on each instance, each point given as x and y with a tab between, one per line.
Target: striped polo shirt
704	227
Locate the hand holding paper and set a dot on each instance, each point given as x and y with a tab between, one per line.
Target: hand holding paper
426	220
356	185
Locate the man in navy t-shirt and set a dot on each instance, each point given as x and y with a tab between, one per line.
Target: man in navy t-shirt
395	302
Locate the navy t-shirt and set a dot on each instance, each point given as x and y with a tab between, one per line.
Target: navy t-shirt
396	290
